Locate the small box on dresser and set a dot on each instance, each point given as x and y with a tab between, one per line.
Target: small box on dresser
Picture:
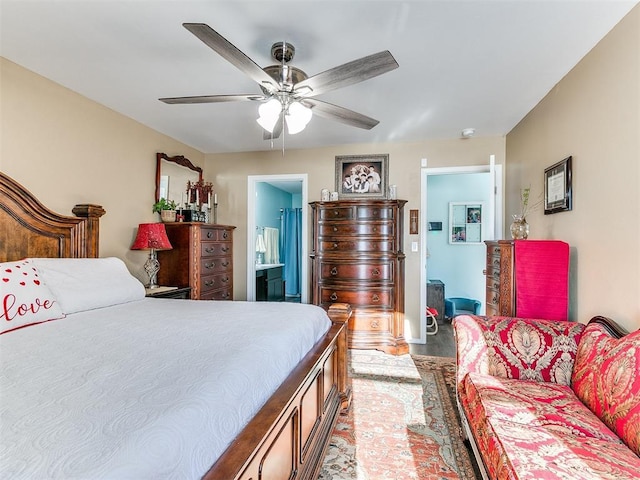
201	258
357	258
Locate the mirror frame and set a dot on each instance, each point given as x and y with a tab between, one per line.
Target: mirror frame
180	160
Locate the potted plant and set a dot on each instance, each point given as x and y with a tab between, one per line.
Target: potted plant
166	209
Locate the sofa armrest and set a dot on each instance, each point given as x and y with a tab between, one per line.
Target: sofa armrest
507	347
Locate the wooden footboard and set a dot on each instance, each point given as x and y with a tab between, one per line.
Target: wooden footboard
288	438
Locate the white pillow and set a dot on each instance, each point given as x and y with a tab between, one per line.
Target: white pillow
86	283
24	297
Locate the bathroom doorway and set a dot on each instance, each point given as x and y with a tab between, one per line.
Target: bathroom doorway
277	214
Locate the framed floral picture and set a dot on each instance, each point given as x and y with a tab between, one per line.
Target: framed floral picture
362	176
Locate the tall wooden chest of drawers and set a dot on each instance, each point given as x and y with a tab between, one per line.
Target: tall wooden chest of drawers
357	258
500	278
201	258
528	278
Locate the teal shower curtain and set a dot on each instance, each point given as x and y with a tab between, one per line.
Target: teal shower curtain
292	249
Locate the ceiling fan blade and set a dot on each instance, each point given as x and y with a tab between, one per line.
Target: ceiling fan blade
277	130
232	54
341	76
340	114
212	99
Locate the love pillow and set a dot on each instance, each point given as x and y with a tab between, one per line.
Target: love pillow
25	299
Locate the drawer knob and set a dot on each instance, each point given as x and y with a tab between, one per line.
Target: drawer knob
334	296
335	245
225	249
496	262
334	271
375	297
336	213
209	283
209	234
375	324
210	265
225	280
335	229
225	263
225	235
375	271
225	295
209	249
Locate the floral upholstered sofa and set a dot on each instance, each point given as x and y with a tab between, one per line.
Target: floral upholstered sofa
542	399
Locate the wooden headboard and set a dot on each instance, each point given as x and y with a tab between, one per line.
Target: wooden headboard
29	229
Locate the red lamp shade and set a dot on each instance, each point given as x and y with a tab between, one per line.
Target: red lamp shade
151	236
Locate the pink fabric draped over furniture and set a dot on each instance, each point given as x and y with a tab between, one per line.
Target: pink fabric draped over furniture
542	279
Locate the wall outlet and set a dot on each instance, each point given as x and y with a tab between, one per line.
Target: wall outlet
414	246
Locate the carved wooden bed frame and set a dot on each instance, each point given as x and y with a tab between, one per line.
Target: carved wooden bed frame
288	437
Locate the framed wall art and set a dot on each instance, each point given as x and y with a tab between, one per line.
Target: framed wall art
362	176
557	187
465	223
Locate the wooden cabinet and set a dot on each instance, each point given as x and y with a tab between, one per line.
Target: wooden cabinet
201	258
528	278
435	298
357	258
500	280
269	285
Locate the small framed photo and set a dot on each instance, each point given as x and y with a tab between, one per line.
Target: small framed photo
465	223
362	176
557	187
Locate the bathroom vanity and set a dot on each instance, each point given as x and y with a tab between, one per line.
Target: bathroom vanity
270	282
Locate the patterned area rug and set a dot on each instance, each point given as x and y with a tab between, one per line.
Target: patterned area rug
403	422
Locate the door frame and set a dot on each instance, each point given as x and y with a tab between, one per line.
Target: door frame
496	218
252	181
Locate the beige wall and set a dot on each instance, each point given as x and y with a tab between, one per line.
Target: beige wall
229	174
593	114
67	149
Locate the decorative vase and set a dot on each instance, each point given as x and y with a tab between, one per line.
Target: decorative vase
168	215
519	228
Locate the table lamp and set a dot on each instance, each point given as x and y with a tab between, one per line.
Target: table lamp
152	237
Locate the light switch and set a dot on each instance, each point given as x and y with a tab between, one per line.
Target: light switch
414	246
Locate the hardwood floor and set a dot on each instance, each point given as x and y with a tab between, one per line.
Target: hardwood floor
441	344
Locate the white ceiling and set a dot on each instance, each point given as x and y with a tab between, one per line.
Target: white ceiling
475	63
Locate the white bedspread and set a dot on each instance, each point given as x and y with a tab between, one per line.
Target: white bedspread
139	390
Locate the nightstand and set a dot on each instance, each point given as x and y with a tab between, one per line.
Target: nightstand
169	292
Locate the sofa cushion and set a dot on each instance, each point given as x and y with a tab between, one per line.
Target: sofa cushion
533	430
606	378
541	350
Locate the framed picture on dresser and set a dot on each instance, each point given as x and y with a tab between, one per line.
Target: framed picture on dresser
362	176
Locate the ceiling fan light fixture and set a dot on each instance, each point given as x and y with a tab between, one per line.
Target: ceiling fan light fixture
269	113
297	117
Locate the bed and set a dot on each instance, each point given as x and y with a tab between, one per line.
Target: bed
117	385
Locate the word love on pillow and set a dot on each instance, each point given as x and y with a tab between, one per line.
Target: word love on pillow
25	299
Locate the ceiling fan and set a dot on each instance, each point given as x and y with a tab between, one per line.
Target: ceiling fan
287	92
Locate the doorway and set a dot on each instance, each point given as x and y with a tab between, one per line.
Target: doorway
460	263
271	199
